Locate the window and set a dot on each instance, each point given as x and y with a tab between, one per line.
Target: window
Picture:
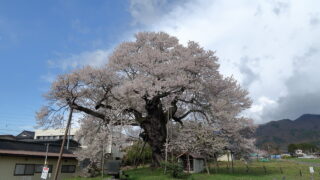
24	169
68	168
39	167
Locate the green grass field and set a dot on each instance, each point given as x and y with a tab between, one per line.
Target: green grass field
307	160
272	171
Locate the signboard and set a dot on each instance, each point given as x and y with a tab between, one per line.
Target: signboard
45	172
311	170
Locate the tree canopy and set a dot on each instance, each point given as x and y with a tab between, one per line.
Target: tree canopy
148	82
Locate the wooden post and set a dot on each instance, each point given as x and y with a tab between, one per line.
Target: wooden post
232	162
300	173
62	145
207	167
102	162
265	170
281	170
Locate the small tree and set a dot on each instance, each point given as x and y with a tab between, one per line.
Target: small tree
138	153
95	139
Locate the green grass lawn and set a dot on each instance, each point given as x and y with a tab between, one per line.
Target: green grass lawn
307	160
291	171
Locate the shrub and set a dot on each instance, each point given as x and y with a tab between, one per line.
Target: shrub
174	168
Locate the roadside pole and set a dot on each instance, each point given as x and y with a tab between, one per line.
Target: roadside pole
45	161
45	169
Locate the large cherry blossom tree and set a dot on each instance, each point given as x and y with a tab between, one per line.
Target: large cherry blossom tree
148	82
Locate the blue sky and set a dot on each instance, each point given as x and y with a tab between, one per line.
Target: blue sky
271	47
35	32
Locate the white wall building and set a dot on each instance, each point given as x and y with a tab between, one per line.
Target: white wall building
54	133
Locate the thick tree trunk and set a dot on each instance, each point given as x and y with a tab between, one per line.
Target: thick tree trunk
155	131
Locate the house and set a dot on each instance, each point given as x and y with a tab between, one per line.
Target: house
226	157
24	160
22	136
25	135
196	162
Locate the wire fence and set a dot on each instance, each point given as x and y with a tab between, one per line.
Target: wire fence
273	170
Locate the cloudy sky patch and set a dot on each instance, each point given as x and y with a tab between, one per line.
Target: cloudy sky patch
270	46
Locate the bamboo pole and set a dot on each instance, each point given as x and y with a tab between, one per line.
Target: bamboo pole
188	159
167	138
62	145
102	162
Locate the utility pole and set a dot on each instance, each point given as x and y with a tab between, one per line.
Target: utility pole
56	174
45	160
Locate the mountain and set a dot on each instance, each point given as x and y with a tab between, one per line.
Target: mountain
279	134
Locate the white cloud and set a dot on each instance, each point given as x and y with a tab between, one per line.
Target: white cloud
92	58
261	43
49	77
145	11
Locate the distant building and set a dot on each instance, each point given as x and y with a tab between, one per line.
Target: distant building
275	156
196	162
25	135
24	160
54	133
8	137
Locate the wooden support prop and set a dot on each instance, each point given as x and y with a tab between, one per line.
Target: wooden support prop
188	159
62	145
232	163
